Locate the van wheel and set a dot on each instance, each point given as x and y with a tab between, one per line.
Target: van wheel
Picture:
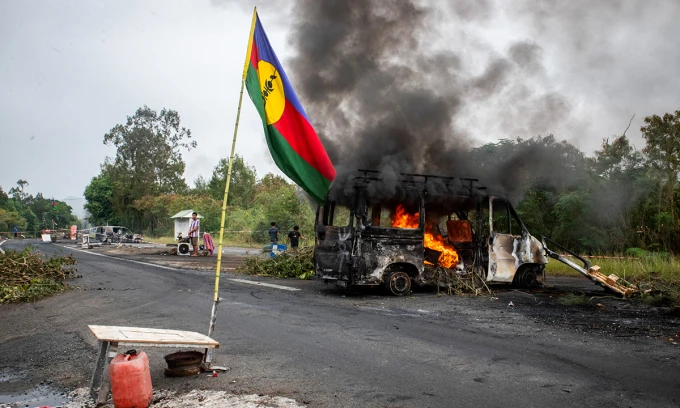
398	283
527	278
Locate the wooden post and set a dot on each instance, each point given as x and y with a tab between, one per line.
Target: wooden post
96	382
216	297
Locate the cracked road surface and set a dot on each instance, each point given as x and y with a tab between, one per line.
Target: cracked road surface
327	349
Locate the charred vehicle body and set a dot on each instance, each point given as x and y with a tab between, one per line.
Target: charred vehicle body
108	234
430	227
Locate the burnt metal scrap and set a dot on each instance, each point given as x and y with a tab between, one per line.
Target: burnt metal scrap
428	230
592	272
428	227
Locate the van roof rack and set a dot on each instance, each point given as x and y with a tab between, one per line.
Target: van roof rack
419	181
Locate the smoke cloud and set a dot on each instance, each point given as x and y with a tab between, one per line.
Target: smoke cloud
386	96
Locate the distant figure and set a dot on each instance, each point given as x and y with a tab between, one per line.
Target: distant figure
294	238
16	231
273	234
193	232
209	245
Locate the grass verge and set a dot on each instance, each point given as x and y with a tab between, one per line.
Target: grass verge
656	275
661	268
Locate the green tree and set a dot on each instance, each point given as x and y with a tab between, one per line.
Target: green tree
33	224
42	207
284	204
148	159
3	198
662	134
242	185
200	186
8	219
99	200
18	192
157	210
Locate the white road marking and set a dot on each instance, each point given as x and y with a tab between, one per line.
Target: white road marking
121	259
269	285
2	242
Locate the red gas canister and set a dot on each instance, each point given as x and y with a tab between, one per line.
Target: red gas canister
131	380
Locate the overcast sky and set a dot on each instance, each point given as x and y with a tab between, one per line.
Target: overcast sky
71	70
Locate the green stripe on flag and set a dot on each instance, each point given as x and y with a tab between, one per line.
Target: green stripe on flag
294	166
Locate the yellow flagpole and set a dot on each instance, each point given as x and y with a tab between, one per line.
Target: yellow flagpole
216	298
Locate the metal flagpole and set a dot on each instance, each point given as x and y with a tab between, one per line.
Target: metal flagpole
216	298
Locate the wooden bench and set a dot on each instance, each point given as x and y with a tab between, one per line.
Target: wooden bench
113	337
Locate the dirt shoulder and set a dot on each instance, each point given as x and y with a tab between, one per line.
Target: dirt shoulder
165	256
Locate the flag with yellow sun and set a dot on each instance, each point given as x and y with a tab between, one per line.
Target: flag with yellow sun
292	140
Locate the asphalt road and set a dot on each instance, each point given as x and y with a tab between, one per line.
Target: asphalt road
329	350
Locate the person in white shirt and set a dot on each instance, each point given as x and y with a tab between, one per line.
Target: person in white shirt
193	232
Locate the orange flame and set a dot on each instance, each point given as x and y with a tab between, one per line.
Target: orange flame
402	219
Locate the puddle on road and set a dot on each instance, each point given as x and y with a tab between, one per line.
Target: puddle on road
41	395
37	397
7	376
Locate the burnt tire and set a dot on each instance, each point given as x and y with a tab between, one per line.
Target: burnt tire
398	283
527	279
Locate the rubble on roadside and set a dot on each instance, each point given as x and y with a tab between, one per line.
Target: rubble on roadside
203	398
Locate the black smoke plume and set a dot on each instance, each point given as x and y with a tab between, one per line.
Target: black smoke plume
385	92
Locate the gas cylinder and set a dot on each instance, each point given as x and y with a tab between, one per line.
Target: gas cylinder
131	380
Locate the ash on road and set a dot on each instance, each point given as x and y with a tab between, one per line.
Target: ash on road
324	348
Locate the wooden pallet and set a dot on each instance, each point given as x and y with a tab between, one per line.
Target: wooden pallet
611	281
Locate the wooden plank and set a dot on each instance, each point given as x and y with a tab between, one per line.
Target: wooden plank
143	335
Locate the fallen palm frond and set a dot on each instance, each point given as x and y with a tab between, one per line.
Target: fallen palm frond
286	265
26	277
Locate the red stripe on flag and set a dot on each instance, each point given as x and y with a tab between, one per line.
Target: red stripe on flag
254	55
302	137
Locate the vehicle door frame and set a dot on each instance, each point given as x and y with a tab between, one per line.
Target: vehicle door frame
502	247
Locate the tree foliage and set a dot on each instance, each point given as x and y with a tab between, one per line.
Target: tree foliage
99	200
148	160
662	134
32	214
241	186
618	198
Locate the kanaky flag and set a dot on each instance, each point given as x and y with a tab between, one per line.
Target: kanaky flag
292	140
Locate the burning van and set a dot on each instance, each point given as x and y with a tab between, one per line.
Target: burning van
426	228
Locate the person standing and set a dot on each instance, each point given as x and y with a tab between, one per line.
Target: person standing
16	232
194	226
273	234
294	238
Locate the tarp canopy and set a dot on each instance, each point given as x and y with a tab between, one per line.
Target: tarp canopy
185	214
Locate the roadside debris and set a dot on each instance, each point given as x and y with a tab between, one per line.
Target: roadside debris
205	399
286	265
592	272
25	276
183	363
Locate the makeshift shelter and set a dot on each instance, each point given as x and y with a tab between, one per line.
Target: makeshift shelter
182	221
